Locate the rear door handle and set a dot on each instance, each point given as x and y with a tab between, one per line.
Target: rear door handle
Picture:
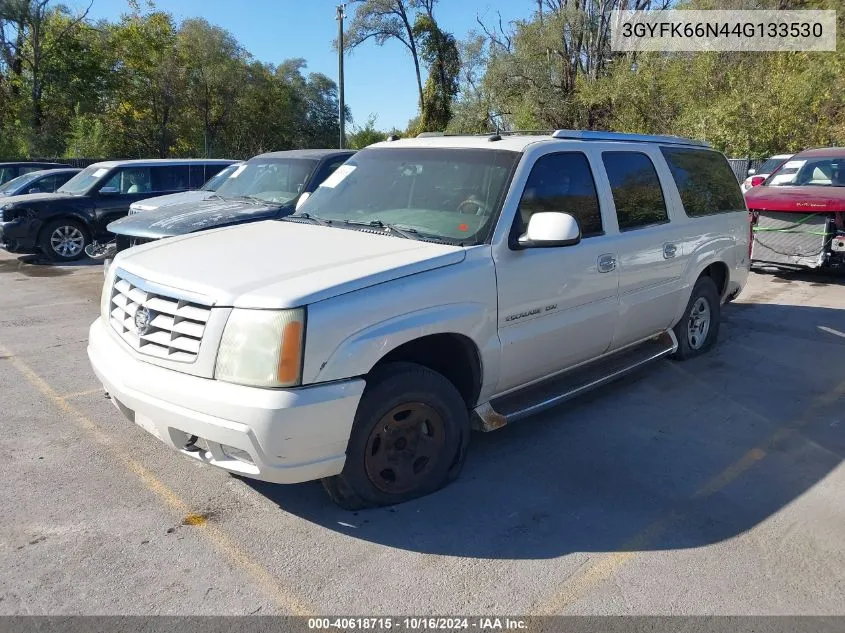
669	250
607	263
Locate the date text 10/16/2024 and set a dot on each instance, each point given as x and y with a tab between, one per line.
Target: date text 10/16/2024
418	623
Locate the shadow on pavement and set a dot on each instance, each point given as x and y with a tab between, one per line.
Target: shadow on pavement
675	441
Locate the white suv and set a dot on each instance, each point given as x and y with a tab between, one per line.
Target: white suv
429	286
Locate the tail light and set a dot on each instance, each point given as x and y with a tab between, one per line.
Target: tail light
757	180
752	220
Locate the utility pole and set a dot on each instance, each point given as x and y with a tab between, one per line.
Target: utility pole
340	100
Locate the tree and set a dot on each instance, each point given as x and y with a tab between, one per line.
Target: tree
439	50
362	136
214	65
385	20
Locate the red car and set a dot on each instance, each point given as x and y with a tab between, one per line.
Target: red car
798	213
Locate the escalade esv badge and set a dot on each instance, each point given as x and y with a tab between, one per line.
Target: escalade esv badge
143	320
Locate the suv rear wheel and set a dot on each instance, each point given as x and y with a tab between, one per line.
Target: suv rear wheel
698	328
408	439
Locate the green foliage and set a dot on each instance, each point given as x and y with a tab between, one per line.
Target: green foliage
147	86
557	71
439	51
362	136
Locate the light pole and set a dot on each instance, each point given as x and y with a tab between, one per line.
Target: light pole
340	101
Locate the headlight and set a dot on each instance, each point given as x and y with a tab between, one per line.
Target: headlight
105	296
262	348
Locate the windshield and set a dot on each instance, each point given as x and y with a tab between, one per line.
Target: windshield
277	180
799	172
770	165
218	179
84	180
18	183
443	192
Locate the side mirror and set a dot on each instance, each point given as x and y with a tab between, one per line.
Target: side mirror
751	172
547	229
302	198
34	190
109	191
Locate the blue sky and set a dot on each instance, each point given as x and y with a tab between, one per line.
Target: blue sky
379	80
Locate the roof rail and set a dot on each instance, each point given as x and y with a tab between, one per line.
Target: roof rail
590	135
428	134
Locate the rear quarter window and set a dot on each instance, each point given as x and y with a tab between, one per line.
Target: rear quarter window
705	181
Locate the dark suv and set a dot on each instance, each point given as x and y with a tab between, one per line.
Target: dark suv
61	224
267	186
13	170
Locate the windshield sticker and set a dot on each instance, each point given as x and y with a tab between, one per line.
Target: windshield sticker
338	176
238	171
102	171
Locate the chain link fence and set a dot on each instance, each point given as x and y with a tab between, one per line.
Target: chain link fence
740	166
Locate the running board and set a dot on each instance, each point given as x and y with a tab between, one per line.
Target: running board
571	384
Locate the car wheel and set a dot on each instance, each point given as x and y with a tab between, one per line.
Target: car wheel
409	438
63	240
699	327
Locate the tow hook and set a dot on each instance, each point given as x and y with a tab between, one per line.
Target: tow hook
191	445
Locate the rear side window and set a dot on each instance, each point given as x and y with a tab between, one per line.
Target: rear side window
636	189
562	183
705	181
170	178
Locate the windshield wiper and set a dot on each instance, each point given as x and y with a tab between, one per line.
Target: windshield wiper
308	216
406	232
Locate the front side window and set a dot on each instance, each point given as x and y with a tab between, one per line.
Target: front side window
801	172
562	183
276	180
449	193
705	181
636	189
129	180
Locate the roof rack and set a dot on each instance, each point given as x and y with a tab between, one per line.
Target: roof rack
590	135
496	133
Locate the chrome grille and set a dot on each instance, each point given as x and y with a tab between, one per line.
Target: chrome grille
169	328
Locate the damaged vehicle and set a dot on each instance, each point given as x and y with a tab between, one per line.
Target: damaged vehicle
265	187
798	215
428	286
60	225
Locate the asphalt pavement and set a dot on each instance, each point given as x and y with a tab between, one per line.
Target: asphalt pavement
714	486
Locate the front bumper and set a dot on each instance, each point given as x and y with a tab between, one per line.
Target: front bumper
276	435
16	237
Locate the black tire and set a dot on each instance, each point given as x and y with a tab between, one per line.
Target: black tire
73	230
691	345
395	390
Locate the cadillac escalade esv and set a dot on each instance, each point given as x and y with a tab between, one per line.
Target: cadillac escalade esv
427	287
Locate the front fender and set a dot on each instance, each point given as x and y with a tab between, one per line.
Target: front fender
359	352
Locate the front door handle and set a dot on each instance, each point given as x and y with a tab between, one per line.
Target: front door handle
607	263
669	250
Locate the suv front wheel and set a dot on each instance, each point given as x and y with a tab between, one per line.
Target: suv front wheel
408	439
63	240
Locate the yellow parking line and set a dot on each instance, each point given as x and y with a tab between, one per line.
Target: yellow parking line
214	534
599	569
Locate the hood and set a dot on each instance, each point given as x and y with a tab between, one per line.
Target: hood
37	197
188	217
801	199
148	204
278	264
